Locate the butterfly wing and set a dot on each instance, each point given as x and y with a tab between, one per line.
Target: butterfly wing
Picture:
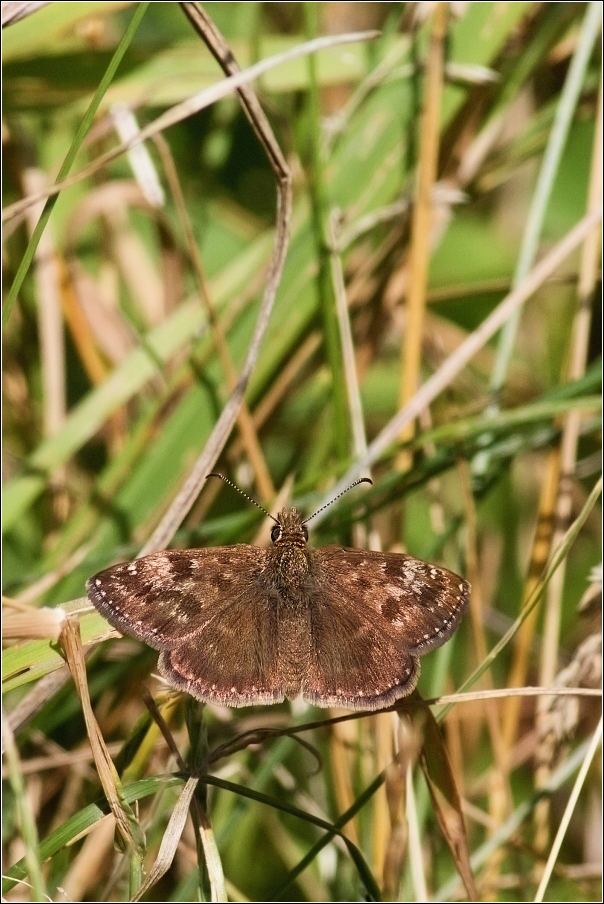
209	613
372	615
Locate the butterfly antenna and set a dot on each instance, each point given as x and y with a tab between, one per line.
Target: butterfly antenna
335	499
249	498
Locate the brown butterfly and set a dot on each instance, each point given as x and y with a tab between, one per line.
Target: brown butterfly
241	625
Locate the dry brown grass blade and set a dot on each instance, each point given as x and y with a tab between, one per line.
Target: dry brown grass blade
247	428
45	688
357	420
446	800
559	715
171	839
285	379
504	693
81	333
419	254
126	822
596	741
342	748
408	741
83	874
192	485
15	10
384	740
544	532
30	622
201	822
57	757
78	293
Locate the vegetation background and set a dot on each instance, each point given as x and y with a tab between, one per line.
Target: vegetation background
433	164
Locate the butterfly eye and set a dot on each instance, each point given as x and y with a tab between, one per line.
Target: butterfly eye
304	532
275	533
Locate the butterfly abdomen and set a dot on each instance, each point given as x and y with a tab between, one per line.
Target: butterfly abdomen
294	647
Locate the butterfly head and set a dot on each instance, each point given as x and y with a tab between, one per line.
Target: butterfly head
289	529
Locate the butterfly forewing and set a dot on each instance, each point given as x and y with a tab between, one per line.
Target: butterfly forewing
209	613
417	604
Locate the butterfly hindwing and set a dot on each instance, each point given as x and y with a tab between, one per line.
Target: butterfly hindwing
364	669
385	611
233	660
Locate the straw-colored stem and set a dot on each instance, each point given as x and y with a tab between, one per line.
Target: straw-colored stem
466	351
588	275
542	544
422	217
569	810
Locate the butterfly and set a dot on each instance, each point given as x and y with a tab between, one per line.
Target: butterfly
242	625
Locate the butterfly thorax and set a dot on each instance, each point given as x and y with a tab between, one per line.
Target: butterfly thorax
290	561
